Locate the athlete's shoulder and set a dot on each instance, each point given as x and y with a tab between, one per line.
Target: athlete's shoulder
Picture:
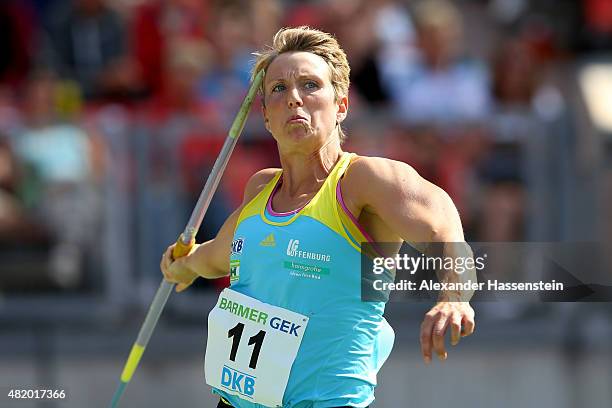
258	181
368	169
390	183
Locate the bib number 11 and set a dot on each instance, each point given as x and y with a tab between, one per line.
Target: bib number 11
235	333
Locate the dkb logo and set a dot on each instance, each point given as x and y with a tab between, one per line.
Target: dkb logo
238	381
237	245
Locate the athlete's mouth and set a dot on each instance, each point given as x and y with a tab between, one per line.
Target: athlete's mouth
296	119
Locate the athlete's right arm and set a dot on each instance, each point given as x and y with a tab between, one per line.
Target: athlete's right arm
211	259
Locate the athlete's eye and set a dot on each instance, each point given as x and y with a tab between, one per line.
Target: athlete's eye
278	88
311	85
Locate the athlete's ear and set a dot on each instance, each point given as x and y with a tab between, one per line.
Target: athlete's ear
342	109
265	116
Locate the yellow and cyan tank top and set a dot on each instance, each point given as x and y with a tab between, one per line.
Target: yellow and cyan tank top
308	261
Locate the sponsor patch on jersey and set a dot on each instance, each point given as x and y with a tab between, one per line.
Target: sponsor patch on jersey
268	241
237	245
293	250
234	270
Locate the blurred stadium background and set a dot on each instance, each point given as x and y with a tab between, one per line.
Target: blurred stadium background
112	112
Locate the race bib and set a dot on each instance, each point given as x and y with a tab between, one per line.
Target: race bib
251	347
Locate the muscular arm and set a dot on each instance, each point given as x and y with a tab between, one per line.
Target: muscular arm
418	212
211	259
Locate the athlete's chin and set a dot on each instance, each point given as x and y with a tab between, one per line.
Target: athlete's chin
298	135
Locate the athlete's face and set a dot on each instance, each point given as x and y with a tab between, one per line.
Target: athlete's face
301	109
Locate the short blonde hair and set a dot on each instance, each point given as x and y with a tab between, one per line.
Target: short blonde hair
306	39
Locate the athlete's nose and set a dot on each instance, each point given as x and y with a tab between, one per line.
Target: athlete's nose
294	99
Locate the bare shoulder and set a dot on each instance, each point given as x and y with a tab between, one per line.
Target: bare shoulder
380	182
257	182
377	172
377	164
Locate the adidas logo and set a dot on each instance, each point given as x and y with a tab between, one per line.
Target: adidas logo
268	241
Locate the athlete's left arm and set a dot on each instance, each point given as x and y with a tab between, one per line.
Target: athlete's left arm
419	212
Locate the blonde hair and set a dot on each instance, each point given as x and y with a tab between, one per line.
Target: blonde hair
311	40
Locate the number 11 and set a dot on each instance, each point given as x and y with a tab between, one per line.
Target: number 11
236	333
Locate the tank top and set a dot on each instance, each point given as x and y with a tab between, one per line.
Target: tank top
308	261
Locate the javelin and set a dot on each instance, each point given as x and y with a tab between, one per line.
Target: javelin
187	239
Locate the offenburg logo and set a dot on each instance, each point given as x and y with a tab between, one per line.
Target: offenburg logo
292	247
294	251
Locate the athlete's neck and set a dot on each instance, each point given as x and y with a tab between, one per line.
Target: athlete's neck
303	173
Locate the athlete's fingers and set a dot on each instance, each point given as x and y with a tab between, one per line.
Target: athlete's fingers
425	337
181	287
165	263
455	325
439	330
469	325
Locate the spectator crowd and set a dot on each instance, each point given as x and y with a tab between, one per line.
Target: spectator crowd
137	96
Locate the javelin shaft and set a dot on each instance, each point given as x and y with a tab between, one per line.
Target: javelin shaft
219	167
186	240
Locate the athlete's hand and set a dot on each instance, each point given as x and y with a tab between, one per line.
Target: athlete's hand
442	316
176	270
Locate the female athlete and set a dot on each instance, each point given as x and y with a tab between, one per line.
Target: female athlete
292	330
